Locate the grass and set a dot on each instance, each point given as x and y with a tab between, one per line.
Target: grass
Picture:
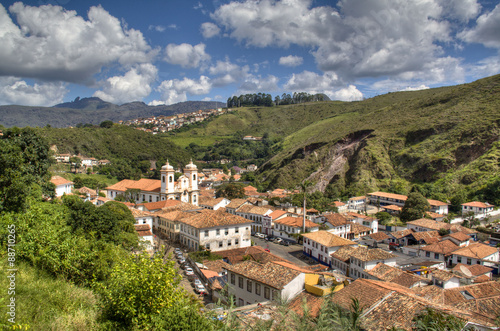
184	139
45	303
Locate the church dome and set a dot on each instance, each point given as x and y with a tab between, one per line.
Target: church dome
167	166
191	166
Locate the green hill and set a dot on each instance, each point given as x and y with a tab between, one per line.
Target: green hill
445	140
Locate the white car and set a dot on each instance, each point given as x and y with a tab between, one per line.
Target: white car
199	289
197	282
189	272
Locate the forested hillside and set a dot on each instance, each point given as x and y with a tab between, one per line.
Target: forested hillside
443	141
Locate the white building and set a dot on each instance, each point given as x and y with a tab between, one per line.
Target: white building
215	231
364	259
268	220
63	186
364	220
145	235
478	208
287	227
337	224
321	244
214	204
184	189
255	214
357	203
251	282
476	254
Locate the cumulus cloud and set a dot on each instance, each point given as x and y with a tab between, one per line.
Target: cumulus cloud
133	86
463	10
175	90
227	72
350	93
355	39
52	43
256	84
186	55
19	92
291	61
209	30
487	30
157	28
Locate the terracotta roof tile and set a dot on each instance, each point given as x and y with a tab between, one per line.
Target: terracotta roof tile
402	233
477	204
159	204
373	254
295	222
277	213
210	202
379	236
460	236
358	228
207	218
444	275
58	180
445	247
256	253
343	253
391	274
477	251
312	301
235	203
143	184
271	274
337	219
389	195
328	239
475	269
215	265
143	230
425	235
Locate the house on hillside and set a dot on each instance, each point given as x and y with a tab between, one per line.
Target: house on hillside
478	208
63	186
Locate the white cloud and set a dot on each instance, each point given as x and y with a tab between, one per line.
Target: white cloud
209	30
133	86
312	82
416	88
463	10
487	30
175	90
206	99
350	93
291	61
157	28
256	84
52	43
355	39
18	92
186	55
227	73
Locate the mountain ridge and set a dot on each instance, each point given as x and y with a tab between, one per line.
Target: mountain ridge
94	111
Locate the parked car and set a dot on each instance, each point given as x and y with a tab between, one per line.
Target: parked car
197	281
177	251
189	271
261	236
279	240
257	234
286	243
186	265
182	261
269	238
200	289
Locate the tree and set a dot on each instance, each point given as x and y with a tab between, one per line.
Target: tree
231	191
106	124
432	319
139	300
415	207
76	162
24	169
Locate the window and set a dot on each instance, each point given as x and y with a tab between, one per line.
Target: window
257	288
233	279
220	244
170	179
217	232
236	230
150	199
194	177
206	233
163	179
249	285
436	255
226	231
428	254
229	242
241	302
240	282
207	246
236	241
267	293
469	261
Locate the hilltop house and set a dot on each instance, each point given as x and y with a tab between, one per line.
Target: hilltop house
63	186
476	207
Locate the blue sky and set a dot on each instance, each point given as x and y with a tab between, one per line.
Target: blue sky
166	51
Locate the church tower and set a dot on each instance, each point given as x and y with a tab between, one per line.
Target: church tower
191	172
167	179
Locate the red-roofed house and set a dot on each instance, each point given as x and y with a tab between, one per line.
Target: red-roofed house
267	220
478	208
63	186
288	226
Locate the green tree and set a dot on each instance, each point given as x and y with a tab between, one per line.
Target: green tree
432	319
231	191
415	207
24	164
106	124
140	290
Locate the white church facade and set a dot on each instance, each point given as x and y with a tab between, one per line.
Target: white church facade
185	189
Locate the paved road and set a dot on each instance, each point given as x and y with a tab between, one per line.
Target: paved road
289	253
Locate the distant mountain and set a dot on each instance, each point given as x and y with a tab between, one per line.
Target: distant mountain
93	111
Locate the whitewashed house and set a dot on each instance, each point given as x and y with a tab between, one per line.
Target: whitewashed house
321	244
214	204
478	208
267	221
214	230
63	186
251	282
476	253
290	227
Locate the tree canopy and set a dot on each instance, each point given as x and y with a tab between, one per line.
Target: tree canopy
415	207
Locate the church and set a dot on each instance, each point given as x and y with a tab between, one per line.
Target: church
185	189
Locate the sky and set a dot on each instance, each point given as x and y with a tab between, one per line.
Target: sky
169	51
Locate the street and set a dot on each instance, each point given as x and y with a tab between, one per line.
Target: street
289	253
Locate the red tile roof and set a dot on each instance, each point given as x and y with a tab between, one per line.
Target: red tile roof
476	251
328	239
477	204
446	247
143	230
207	218
295	222
143	184
271	274
159	204
58	180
